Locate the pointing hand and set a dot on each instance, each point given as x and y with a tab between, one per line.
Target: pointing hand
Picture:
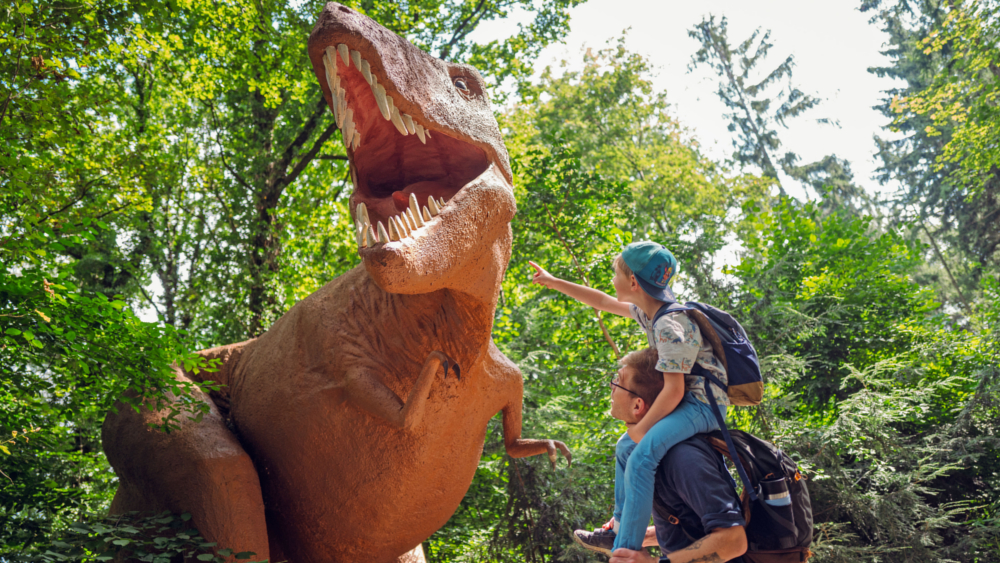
541	277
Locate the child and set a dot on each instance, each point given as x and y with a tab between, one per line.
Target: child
642	275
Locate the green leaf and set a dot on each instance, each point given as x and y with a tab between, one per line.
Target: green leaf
12	331
206	557
25	8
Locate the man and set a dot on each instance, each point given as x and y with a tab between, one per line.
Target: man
692	487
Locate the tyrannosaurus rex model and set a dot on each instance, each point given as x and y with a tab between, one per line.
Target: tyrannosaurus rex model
342	435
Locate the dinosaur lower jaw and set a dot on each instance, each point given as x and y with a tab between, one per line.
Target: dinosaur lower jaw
458	248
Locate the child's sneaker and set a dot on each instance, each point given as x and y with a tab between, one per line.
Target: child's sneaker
601	540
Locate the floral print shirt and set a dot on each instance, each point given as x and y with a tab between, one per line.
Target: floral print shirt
677	340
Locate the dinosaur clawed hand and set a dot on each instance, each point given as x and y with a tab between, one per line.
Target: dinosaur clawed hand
446	362
555	445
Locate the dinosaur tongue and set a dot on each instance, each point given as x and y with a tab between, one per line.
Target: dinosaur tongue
422	190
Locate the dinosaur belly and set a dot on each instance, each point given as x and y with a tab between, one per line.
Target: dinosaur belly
339	484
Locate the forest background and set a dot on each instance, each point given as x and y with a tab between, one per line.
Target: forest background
183	145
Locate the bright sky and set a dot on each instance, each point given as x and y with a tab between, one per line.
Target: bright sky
832	41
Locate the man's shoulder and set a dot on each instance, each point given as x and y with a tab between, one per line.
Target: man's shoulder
691	454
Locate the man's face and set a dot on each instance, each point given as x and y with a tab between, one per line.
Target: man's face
624	405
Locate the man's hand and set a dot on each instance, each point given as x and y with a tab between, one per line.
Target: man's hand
542	277
622	555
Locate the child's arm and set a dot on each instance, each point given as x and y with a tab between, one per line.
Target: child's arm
588	296
665	403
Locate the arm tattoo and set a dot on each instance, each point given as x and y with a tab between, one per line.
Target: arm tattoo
696	545
711	558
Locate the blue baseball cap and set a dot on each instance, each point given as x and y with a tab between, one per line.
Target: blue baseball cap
653	266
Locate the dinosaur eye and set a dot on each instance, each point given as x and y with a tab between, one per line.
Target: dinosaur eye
461	84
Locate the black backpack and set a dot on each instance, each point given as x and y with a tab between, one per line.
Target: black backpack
780	520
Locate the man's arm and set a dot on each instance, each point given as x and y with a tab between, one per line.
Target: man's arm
720	545
586	295
664	404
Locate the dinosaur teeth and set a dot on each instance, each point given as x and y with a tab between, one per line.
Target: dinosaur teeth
382	235
349	127
344	115
398	122
370	236
427	214
408	122
341	107
432	205
395	226
415	210
380	98
366	70
414	218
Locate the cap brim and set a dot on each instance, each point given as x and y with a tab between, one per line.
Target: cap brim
664	294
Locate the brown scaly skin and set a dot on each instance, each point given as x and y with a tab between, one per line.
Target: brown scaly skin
351	442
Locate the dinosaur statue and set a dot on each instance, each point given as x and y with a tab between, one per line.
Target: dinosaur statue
310	452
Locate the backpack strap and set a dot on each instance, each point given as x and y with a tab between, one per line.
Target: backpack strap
700	371
747	485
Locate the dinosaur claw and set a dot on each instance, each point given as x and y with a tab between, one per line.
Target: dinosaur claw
554	448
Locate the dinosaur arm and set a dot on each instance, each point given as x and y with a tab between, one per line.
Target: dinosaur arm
366	391
526	447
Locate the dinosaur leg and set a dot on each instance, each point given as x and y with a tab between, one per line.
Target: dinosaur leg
365	390
200	469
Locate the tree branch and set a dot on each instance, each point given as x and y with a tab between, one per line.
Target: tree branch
460	33
309	156
586	282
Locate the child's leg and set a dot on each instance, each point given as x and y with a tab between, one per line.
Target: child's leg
685	421
623	449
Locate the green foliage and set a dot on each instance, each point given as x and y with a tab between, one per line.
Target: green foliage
942	53
160	538
67	354
830	290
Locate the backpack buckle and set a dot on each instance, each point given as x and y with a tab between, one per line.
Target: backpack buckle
673	520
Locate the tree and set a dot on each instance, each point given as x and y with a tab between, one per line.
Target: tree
942	52
751	116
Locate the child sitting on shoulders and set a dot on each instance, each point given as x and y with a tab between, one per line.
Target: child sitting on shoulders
643	272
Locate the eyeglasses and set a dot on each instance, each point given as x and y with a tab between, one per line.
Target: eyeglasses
614	383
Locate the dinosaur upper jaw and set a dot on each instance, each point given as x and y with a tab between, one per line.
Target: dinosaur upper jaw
413	133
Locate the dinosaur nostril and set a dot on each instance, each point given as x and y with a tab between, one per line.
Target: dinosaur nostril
345	9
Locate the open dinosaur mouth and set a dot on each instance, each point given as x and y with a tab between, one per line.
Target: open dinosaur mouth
403	174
